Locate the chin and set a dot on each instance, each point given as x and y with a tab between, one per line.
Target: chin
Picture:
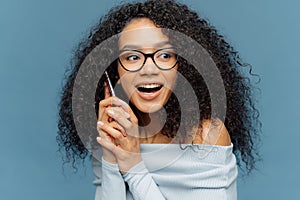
149	108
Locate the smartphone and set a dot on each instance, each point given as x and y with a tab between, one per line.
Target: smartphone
111	89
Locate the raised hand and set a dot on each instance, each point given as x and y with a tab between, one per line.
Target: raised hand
119	132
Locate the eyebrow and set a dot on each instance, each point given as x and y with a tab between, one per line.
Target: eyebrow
131	46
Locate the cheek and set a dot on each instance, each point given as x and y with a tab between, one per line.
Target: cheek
122	76
121	71
125	80
172	79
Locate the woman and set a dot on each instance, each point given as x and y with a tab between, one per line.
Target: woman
143	157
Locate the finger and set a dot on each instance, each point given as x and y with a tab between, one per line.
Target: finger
118	111
107	144
114	133
117	126
106	91
114	101
102	133
120	116
101	107
107	94
132	117
102	116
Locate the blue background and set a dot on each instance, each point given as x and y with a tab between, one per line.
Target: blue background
36	42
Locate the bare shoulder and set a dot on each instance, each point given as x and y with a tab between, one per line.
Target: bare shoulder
213	132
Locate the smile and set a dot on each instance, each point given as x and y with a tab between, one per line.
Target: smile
148	88
149	91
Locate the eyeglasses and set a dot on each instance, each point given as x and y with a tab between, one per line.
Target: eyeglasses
134	60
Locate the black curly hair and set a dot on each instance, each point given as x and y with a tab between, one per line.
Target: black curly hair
242	116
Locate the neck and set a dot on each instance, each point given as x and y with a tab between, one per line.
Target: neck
150	123
150	127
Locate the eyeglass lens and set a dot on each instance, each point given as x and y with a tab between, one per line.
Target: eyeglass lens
133	60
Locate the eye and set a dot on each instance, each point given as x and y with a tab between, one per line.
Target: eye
132	57
165	56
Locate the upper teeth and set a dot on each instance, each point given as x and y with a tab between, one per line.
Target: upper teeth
153	85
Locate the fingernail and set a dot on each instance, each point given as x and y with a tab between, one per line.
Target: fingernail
110	112
98	139
127	115
99	123
124	103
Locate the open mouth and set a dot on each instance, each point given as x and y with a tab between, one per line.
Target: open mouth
149	88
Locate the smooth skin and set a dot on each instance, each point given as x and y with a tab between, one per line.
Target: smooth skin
117	124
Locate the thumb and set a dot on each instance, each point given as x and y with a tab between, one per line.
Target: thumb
106	91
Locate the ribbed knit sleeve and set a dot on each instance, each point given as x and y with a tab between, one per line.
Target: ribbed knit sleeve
111	184
141	184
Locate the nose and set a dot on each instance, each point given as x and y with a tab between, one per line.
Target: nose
149	68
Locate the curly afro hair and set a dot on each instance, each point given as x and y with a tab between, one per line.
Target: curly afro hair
242	116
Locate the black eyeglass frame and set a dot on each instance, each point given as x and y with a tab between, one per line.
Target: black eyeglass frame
147	55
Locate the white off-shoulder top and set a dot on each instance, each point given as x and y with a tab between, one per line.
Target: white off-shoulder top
171	171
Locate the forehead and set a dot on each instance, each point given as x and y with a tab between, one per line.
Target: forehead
142	33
